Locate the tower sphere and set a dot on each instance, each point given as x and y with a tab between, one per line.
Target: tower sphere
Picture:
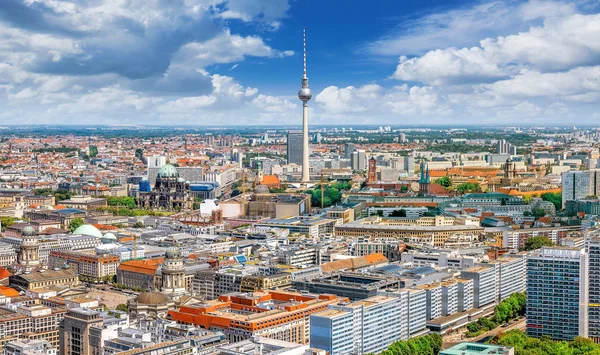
304	94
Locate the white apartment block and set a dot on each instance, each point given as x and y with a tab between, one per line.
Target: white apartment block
465	294
484	284
449	297
434	300
367	326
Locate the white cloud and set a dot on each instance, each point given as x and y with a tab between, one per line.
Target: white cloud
376	100
226	48
561	44
274	104
573	83
465	26
269	12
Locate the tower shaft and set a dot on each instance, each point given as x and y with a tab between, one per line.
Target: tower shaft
305	160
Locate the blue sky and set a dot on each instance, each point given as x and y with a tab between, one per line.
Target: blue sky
239	61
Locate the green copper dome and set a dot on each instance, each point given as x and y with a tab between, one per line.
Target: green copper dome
28	231
167	171
88	229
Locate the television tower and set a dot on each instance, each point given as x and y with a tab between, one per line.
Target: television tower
305	95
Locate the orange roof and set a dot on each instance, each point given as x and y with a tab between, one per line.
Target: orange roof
8	292
514	192
59	207
145	266
545	220
354	263
270	180
4	273
105	227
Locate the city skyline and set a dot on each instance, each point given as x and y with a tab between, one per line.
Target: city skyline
227	62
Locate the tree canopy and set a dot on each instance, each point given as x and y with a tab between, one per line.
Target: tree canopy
75	223
536	243
429	344
6	222
398	213
510	308
525	345
554	197
445	181
332	194
468	187
124	201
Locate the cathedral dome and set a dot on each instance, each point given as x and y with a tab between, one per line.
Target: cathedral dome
262	189
28	231
88	229
173	253
109	238
152	298
167	171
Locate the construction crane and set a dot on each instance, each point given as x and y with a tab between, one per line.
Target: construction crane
323	183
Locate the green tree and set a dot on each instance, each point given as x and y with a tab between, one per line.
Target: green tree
6	222
138	224
122	307
124	201
538	212
554	197
75	223
398	213
536	243
93	151
468	187
445	181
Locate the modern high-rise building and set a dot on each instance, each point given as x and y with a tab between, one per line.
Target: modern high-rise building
304	94
417	311
75	332
359	160
402	138
465	294
504	147
593	249
484	284
510	276
294	147
557	293
363	327
577	185
434	300
348	150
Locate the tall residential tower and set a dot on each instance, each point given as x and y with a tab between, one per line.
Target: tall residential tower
305	95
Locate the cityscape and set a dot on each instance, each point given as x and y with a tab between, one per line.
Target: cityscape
169	184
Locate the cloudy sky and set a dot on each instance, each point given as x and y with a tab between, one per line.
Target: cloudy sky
231	62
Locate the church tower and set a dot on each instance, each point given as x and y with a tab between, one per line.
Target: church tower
509	172
372	175
424	180
173	280
29	254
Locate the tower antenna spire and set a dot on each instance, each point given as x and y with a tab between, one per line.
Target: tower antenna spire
305	51
304	94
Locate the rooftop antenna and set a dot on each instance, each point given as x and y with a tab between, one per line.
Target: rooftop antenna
304	45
